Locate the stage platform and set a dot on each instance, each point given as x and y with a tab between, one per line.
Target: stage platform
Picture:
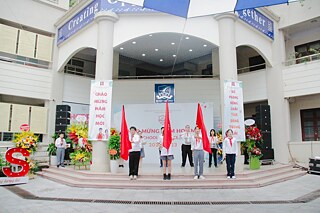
150	177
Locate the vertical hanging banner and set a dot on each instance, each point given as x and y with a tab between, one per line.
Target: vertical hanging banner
233	109
100	110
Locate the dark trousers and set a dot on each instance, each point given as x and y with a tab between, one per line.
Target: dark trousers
214	155
134	158
186	151
230	159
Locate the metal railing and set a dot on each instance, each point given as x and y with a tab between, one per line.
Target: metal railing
247	69
303	59
166	76
72	72
26	63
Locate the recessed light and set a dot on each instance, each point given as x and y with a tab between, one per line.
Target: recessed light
204	45
134	42
156	50
174	56
190	50
187	38
121	48
173	43
143	54
161	59
150	35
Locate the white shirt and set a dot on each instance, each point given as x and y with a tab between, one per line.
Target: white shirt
60	143
135	142
187	138
196	144
228	149
213	142
142	142
164	151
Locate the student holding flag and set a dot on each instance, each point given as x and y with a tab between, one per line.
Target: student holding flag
230	150
198	154
134	153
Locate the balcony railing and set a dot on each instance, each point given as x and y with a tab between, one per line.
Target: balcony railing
303	59
74	72
249	69
166	76
26	63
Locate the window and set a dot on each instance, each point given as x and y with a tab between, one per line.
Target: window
257	63
307	49
310	123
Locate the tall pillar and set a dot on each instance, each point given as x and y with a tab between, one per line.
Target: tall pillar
228	63
104	70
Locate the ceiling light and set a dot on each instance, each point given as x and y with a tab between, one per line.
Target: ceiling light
204	45
121	48
190	50
134	42
143	54
161	59
187	38
150	35
173	43
156	50
174	56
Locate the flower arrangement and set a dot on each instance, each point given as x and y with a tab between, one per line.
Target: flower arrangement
114	144
26	140
253	139
78	134
80	157
33	166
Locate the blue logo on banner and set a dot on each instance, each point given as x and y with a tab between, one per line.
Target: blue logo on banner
258	21
164	92
86	16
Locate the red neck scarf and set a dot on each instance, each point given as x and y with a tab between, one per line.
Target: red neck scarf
230	140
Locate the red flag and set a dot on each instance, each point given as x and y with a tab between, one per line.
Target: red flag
202	127
125	144
167	134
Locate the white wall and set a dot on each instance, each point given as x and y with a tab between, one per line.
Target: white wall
302	151
76	89
31	13
25	81
301	79
297	104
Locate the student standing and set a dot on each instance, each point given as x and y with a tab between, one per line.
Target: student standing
214	148
134	153
198	154
230	150
142	143
61	147
159	142
166	156
186	146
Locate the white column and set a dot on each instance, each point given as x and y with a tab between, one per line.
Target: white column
104	70
228	63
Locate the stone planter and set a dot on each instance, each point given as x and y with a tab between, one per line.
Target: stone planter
254	163
114	165
53	160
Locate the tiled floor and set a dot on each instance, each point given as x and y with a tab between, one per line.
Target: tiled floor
288	190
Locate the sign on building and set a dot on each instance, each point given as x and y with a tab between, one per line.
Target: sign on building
164	93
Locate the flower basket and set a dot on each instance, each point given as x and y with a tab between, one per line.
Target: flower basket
254	163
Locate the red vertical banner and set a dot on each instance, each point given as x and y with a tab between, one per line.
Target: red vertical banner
167	133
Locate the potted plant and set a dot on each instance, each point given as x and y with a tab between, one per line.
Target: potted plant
253	142
3	163
114	150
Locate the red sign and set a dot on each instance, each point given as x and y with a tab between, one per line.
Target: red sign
24	164
25	127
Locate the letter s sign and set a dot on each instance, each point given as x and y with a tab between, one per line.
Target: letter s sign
24	164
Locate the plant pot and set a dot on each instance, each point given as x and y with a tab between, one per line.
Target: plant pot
254	163
53	160
114	165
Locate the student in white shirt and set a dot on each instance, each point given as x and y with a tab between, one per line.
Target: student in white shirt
142	143
134	153
61	147
186	146
159	142
214	148
166	156
230	150
198	154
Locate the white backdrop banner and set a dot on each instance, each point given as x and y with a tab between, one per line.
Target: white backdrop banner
149	118
100	110
233	109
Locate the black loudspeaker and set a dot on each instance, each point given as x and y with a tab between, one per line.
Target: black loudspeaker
62	118
63	108
267	141
262	118
314	166
268	154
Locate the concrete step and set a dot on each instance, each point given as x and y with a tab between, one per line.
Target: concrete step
253	179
